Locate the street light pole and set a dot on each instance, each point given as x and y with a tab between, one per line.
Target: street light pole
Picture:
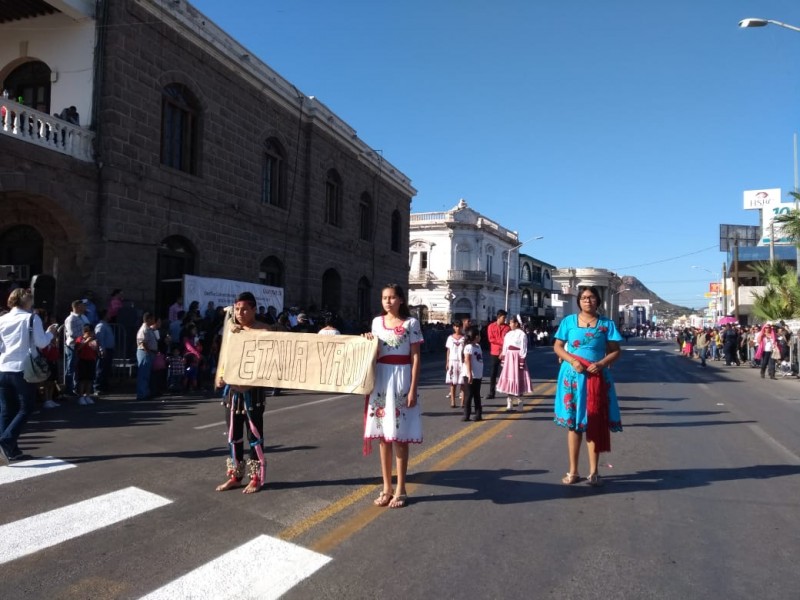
716	298
753	22
508	263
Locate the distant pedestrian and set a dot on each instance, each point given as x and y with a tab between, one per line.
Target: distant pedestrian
106	343
514	381
87	350
766	348
454	363
730	345
146	349
329	328
495	333
473	373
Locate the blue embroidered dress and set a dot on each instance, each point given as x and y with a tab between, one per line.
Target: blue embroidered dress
590	344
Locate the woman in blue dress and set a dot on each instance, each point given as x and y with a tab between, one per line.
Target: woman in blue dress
586	402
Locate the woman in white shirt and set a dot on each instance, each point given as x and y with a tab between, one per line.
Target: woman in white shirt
17	396
514	379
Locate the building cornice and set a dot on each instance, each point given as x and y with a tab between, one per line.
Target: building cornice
204	33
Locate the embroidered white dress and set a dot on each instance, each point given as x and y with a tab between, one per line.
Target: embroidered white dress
387	414
455	366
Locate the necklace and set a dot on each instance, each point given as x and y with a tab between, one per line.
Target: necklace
587	322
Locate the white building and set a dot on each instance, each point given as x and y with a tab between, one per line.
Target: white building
570	280
459	268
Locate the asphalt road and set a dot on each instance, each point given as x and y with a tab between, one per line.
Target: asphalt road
700	500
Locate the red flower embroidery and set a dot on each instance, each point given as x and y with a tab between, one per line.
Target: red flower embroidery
575	344
603	329
380	412
567	398
396	412
589	335
399	330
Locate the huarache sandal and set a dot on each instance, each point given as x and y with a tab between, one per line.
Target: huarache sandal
594	480
383	499
398	501
571	478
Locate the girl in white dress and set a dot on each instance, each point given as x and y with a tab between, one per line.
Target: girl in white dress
454	363
514	378
393	414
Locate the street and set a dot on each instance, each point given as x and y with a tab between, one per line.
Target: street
700	500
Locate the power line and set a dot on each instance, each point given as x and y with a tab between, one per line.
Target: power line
666	259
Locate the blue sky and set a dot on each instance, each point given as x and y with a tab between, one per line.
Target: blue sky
622	131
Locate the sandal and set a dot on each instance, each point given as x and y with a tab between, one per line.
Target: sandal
398	501
571	478
594	480
383	499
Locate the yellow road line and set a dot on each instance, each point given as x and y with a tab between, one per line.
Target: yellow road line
332	539
299	528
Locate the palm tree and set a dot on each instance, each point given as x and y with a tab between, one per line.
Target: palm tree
781	296
790	222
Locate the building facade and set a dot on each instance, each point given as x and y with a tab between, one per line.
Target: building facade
190	156
460	267
569	281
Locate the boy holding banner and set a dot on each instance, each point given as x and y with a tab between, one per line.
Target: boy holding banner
244	409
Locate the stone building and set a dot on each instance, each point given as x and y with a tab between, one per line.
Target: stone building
569	280
191	156
535	290
459	268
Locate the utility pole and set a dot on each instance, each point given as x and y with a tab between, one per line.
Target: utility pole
724	290
735	281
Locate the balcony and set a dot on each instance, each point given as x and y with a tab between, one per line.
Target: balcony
422	277
535	280
34	127
472	277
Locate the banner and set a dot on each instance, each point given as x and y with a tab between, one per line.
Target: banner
222	292
298	361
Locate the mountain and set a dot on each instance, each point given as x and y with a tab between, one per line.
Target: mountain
636	290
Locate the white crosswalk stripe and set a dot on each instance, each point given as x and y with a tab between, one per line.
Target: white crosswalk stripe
44	530
19	471
281	566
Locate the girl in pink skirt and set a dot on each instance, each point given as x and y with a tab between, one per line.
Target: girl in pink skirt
514	378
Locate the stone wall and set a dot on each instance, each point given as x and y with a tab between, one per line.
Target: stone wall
109	220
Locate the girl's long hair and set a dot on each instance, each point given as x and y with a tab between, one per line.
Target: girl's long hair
400	293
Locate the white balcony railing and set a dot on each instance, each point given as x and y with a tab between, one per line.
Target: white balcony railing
35	127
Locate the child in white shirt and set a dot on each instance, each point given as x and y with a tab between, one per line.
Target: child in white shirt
473	373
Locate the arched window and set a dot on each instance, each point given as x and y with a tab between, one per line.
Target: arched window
364	299
526	272
30	82
176	258
273	187
271	272
365	217
527	300
333	199
331	291
180	118
462	308
489	260
396	227
464	258
21	249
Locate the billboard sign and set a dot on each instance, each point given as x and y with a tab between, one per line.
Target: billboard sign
759	199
